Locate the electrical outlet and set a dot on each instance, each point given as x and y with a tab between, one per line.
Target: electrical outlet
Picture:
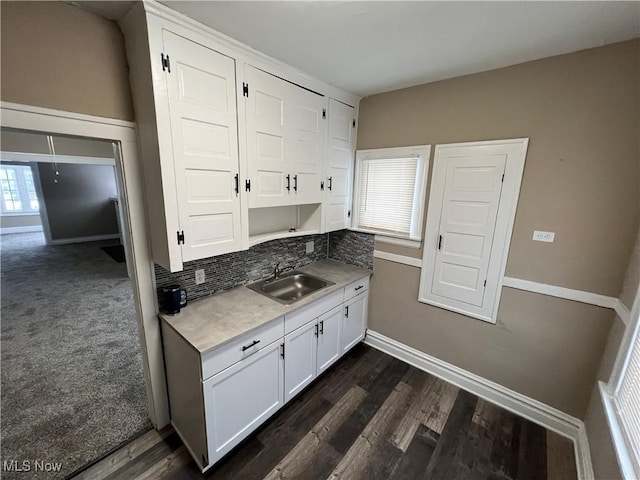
310	247
539	236
199	277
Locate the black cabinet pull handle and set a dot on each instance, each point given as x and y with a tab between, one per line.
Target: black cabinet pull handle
282	350
440	242
316	329
322	327
330	183
237	184
322	186
289	183
358	288
295	182
346	311
247	347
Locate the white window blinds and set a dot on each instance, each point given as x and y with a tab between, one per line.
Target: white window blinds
627	401
386	194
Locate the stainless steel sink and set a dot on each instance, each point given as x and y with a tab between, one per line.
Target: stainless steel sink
289	287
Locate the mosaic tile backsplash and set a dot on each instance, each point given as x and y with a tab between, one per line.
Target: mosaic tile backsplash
238	268
355	248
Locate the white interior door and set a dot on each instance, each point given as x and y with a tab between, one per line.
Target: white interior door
202	104
268	106
339	165
472	189
309	128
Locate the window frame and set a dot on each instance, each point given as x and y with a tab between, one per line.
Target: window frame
23	191
422	153
629	465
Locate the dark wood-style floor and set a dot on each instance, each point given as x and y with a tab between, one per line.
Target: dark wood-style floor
370	417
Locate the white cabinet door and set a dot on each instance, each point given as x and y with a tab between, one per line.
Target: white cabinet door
203	116
268	108
339	166
240	398
299	359
329	338
354	322
308	145
472	189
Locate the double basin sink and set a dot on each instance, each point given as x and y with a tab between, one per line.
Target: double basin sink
289	287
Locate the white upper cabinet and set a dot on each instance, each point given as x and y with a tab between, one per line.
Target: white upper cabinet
338	176
286	130
204	126
221	138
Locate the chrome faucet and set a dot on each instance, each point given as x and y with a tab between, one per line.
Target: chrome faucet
277	271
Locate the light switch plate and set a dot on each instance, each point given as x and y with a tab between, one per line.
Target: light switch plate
199	277
310	246
539	236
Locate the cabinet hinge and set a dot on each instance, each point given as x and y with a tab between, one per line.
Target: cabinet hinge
180	237
245	89
322	186
354	123
324	113
166	64
247	185
349	214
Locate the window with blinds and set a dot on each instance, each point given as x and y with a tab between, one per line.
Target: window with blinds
389	191
627	401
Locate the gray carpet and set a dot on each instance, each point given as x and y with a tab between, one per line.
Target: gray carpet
72	379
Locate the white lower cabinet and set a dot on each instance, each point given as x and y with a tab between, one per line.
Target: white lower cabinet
299	359
218	398
329	338
241	398
354	324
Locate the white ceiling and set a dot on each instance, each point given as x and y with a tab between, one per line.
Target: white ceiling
370	47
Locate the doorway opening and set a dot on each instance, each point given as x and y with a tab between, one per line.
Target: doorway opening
73	382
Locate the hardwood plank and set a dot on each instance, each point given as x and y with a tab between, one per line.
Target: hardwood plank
147	459
124	455
506	445
442	465
561	458
167	467
532	453
429	408
378	387
444	396
354	463
413	464
297	460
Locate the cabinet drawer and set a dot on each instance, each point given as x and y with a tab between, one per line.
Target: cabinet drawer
311	311
242	347
356	288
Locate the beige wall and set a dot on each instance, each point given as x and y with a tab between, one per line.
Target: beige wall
632	278
11	221
57	56
581	113
603	455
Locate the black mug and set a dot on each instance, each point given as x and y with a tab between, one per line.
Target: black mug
172	298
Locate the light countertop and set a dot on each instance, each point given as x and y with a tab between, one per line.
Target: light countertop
210	322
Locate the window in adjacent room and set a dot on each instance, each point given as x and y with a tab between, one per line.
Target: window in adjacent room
389	193
18	190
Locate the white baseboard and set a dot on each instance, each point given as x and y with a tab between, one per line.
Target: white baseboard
30	228
515	402
95	238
